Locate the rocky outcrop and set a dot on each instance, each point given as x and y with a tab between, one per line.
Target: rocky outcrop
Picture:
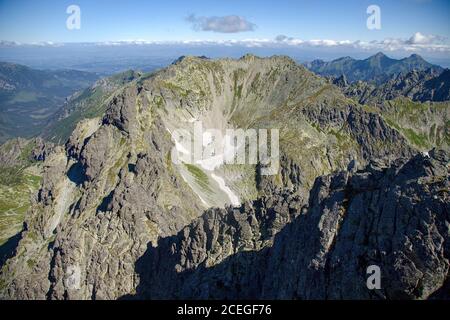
101	201
41	149
416	104
11	151
396	218
20	152
367	129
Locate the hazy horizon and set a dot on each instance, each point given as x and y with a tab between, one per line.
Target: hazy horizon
108	59
59	34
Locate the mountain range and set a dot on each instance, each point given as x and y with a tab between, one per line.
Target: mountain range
377	68
361	182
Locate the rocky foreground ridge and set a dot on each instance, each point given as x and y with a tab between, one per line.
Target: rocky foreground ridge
395	217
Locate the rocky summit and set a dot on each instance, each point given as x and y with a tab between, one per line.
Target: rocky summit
114	217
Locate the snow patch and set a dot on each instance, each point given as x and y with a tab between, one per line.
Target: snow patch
233	198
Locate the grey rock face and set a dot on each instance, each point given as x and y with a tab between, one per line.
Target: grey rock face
218	255
396	218
41	149
368	129
11	151
418	85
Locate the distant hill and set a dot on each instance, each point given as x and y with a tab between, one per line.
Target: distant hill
377	68
28	97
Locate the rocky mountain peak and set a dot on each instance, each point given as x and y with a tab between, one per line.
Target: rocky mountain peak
378	55
415	57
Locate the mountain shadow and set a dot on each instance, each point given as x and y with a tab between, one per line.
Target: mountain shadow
394	218
8	249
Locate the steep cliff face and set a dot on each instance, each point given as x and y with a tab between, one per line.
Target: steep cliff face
112	191
219	255
393	217
94	216
396	218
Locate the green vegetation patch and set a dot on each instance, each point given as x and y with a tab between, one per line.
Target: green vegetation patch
422	124
415	138
16	187
24	96
11	176
201	177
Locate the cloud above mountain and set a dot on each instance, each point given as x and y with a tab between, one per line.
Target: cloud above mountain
419	38
225	24
418	42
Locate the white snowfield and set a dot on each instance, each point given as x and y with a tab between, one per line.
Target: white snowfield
209	163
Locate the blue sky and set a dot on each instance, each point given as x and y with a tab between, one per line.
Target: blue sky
305	29
101	20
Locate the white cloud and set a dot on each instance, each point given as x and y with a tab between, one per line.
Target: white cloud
417	42
225	24
419	38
